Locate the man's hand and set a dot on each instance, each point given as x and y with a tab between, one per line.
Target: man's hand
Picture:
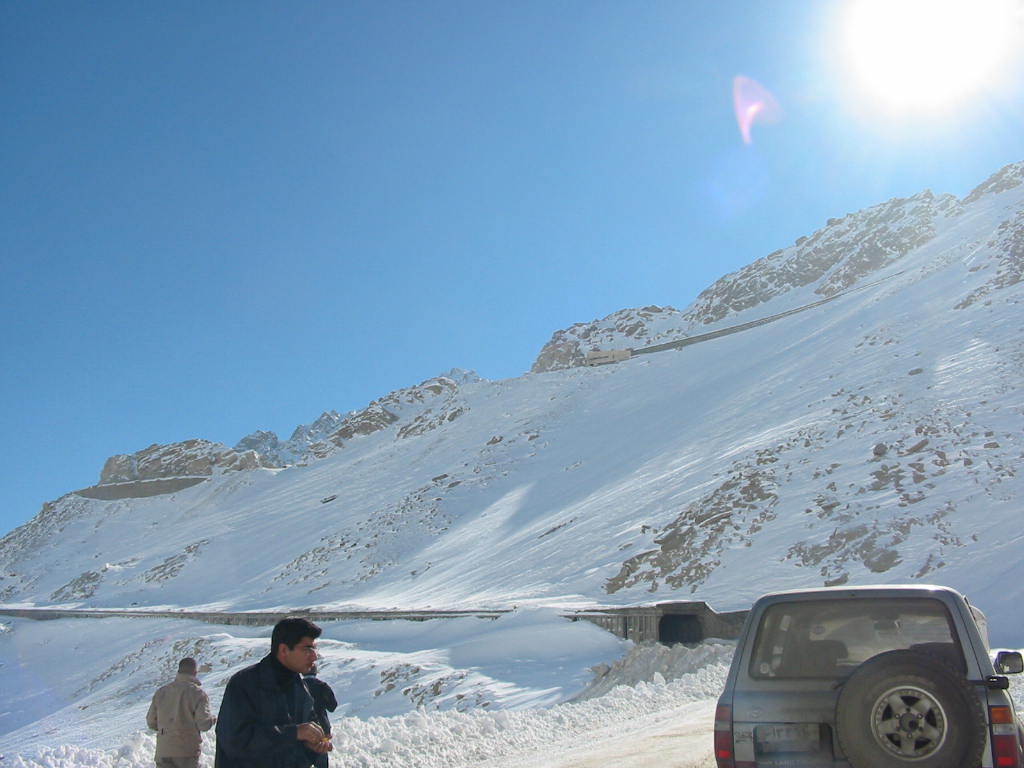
311	733
323	747
314	737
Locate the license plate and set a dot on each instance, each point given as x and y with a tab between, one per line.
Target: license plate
788	737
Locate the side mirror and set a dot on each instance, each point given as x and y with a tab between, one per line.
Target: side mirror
1009	663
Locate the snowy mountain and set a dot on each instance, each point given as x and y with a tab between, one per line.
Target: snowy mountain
840	255
873	438
870	430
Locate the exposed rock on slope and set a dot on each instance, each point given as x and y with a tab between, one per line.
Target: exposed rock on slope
413	410
859	515
162	469
1003	180
627	328
1007	261
306	440
190	458
832	259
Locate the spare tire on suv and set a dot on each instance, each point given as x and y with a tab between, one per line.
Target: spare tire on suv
907	708
882	676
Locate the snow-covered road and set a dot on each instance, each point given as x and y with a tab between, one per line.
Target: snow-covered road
679	738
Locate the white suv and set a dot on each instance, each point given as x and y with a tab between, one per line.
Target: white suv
867	677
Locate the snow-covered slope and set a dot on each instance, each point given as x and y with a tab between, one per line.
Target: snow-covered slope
873	438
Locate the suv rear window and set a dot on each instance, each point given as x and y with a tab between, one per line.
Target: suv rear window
830	638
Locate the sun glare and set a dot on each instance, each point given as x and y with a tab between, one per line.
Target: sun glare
927	55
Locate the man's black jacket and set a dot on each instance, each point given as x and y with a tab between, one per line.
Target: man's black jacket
259	716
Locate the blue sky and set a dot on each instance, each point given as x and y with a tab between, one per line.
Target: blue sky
230	216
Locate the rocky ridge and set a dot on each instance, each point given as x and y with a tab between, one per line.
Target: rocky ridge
412	411
625	328
837	256
190	458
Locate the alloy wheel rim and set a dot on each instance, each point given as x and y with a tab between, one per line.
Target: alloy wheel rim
909	722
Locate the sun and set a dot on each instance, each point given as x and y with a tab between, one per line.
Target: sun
927	55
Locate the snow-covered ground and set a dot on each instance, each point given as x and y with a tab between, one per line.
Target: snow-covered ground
528	687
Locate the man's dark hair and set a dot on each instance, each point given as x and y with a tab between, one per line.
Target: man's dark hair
187	666
291	630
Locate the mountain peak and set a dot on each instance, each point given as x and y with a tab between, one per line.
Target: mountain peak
190	458
1001	181
833	259
332	430
623	329
840	254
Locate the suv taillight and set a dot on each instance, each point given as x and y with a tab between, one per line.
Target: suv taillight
1005	747
724	756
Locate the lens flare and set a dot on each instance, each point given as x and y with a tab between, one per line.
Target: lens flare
753	104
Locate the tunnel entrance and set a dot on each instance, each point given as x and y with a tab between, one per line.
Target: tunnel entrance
669	622
679	628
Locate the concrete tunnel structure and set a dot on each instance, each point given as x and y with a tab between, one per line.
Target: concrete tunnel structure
668	623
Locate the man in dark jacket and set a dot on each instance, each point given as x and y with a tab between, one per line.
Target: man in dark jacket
268	717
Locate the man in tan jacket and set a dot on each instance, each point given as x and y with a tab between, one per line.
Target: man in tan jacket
179	712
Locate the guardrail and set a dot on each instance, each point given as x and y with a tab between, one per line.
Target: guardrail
669	622
680	343
249	618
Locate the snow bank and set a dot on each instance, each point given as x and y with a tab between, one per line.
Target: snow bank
700	666
465	739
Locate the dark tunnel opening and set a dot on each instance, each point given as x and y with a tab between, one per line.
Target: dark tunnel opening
679	628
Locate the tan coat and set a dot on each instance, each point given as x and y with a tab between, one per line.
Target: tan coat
179	712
